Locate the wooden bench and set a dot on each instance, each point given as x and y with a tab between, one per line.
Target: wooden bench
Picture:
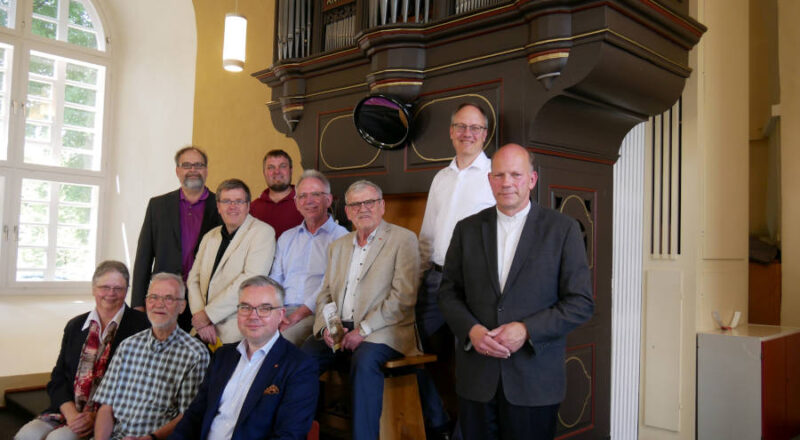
402	410
401	417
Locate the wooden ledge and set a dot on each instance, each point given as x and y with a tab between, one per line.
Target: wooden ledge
410	360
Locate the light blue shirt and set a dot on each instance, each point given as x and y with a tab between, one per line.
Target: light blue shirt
301	259
230	404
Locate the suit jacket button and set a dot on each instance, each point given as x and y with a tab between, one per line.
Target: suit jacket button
500	309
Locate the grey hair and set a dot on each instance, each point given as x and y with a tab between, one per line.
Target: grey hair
314	174
361	184
111	266
264	281
166	276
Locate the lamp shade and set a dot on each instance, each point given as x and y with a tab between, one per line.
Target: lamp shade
233	48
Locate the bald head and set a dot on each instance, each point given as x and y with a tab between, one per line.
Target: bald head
512	178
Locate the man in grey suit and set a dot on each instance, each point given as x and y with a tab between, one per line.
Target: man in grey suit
515	283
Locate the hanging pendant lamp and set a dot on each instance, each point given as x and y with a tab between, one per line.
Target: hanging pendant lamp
233	48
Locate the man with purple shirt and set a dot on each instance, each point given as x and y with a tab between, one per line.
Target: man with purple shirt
173	225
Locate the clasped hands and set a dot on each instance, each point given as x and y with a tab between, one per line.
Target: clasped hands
500	342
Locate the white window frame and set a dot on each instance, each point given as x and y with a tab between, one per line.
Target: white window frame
14	169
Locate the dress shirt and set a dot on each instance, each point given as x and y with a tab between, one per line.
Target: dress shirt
301	260
191	221
93	316
230	404
454	195
150	382
281	215
353	276
509	230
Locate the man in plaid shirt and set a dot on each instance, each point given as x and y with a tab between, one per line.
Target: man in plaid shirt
155	374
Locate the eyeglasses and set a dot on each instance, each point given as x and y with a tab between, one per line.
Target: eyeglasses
168	300
369	204
190	165
311	195
238	202
115	289
262	310
474	129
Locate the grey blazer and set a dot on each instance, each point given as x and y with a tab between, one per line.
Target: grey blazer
548	289
386	292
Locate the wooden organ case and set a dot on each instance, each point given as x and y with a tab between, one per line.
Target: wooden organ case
565	78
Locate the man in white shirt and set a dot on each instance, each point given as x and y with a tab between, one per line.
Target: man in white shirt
515	284
261	388
457	191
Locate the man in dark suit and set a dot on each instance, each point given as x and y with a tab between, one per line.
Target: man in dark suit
172	228
515	283
261	388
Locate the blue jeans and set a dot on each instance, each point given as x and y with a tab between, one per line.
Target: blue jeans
366	380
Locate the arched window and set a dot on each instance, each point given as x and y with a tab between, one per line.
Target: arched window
53	74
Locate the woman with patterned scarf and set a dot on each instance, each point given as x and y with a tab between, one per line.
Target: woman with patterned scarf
87	346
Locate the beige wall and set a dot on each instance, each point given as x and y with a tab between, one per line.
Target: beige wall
230	116
789	41
711	272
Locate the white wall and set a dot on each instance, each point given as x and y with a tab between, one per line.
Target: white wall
153	47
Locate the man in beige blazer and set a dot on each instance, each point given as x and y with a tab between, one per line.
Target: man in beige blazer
372	278
229	254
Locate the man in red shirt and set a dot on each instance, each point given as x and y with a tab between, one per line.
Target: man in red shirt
276	205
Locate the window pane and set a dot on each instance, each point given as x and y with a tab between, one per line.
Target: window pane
32	258
42	66
44	28
61	246
76	193
79	16
48	8
74	215
37	132
76	160
36	88
74	127
35	190
40	111
74	264
79	73
6	55
82	38
32	212
77	139
32	235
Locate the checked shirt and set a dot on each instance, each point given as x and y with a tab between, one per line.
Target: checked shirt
150	382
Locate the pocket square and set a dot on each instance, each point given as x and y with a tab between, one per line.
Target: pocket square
272	389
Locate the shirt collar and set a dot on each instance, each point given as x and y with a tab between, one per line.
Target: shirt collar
369	238
157	345
289	197
516	217
264	350
202	196
228	235
481	162
94	316
328	226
